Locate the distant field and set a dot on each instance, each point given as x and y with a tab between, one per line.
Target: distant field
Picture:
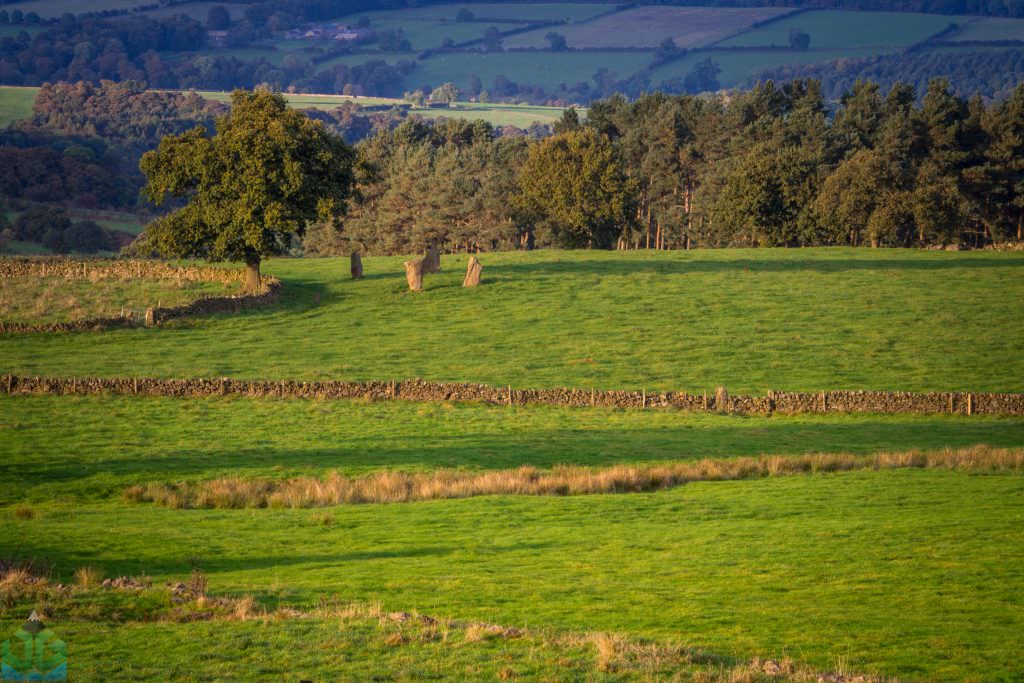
428	27
16	103
846	29
430	34
649	26
541	68
12	30
525	11
737	67
55	8
356	58
753	320
989	28
197	10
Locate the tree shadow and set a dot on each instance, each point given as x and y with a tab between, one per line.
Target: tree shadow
43	477
556	268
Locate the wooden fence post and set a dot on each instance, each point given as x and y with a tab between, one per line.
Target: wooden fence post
970	404
643	398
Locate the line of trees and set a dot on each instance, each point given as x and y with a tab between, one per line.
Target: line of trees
767	167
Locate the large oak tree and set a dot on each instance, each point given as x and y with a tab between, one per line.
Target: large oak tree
250	187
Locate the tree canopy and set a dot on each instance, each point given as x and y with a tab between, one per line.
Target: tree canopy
250	187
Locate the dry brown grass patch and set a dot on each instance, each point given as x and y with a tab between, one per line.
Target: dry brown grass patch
563	480
88	577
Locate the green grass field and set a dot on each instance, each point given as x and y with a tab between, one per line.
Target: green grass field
648	26
16	103
424	34
846	29
871	569
13	30
909	573
520	11
55	8
753	320
547	69
197	10
989	28
171	440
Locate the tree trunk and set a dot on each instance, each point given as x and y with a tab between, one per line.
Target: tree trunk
473	271
414	274
357	265
1020	225
252	275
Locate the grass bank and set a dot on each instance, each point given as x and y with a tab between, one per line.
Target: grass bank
753	320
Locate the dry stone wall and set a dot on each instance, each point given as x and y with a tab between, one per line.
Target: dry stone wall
959	403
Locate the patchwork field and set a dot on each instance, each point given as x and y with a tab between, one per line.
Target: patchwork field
16	103
989	28
649	26
754	320
517	12
55	8
547	69
197	10
846	29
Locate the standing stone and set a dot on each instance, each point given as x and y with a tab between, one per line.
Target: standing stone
357	266
721	400
432	260
473	271
414	274
150	317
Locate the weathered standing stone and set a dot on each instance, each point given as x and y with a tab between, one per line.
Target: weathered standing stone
432	260
473	271
357	265
721	399
414	274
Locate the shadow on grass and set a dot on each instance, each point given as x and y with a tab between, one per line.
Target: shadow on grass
43	475
626	267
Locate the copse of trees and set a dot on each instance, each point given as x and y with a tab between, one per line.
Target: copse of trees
768	167
51	226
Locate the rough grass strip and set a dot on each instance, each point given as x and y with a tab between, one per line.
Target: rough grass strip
126	600
407	487
96	270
